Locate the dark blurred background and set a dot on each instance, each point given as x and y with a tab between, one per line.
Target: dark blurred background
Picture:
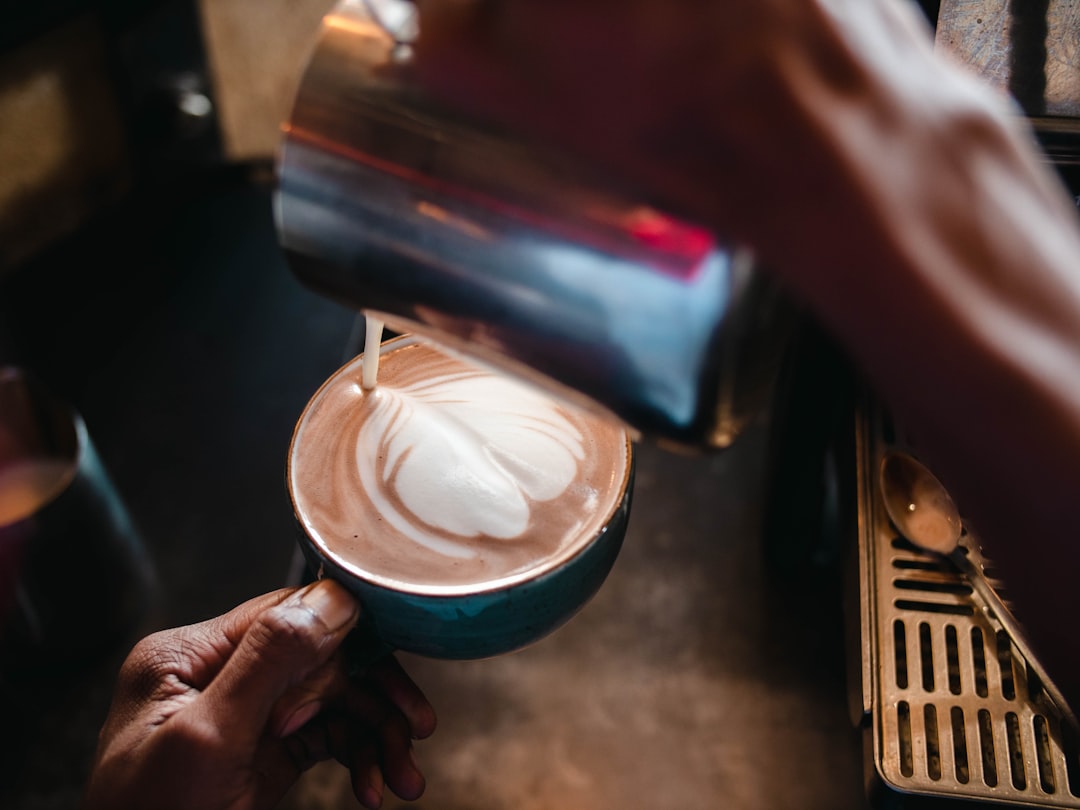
141	280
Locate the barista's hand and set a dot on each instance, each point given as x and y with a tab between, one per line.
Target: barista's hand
229	712
717	109
618	81
897	195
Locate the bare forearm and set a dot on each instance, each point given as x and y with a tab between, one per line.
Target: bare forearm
947	259
893	193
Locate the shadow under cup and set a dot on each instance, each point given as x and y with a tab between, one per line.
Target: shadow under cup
492	619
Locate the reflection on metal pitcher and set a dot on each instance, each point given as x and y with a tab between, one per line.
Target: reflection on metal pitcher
523	258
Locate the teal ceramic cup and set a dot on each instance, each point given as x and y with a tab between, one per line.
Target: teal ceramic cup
484	623
467	622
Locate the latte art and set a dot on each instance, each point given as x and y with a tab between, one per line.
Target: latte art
448	474
466	454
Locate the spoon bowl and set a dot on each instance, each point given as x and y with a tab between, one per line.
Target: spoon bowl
919	505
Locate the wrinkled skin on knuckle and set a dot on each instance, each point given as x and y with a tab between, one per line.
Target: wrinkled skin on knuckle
152	662
283	632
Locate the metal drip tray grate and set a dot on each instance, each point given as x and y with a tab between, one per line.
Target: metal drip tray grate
955	709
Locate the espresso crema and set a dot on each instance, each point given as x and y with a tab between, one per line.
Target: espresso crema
448	476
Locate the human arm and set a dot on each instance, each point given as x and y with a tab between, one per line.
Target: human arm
229	712
894	194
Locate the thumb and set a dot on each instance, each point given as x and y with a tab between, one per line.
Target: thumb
282	646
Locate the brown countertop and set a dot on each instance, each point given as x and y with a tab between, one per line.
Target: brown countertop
1030	49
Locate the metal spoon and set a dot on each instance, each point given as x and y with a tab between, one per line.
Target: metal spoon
923	512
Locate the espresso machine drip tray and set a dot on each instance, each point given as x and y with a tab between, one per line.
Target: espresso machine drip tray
949	705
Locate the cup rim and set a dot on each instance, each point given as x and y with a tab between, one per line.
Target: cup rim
554	563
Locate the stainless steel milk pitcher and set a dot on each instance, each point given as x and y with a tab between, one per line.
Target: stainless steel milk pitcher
492	245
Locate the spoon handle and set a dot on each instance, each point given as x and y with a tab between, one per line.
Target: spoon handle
1009	623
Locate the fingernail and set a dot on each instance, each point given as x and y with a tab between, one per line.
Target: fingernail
423	718
331	603
299	718
373	795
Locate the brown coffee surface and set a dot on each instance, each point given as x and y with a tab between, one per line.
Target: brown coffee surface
448	475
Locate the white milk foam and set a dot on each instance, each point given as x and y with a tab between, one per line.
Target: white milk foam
466	454
447	473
